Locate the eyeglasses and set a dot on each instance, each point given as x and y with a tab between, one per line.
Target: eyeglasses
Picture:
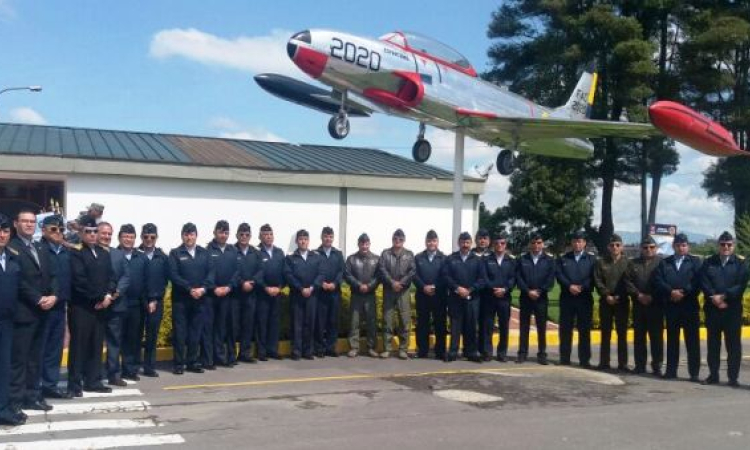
148	237
615	244
244	234
648	247
726	244
53	229
398	239
90	230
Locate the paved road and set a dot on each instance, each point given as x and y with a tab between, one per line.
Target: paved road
416	404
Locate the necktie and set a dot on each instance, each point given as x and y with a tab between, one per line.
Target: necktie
33	252
2	261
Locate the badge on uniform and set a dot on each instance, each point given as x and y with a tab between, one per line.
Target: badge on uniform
184	258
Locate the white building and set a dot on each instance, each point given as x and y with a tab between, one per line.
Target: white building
170	180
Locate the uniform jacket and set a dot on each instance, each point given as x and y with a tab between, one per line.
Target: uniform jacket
122	273
61	261
271	273
499	275
332	266
570	272
610	277
225	265
37	280
362	269
248	266
467	274
301	273
539	276
668	278
10	280
393	267
187	272
429	272
93	276
640	276
138	278
729	280
157	275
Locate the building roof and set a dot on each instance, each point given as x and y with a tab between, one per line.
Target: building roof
95	144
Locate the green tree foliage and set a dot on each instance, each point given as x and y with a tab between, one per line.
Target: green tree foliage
742	228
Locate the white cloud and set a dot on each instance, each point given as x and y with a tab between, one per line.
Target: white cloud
256	54
231	129
7	12
27	115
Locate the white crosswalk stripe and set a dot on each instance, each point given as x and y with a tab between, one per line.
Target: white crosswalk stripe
85	418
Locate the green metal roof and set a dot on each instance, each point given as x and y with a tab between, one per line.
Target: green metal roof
68	142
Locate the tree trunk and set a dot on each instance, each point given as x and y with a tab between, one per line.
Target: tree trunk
655	187
644	190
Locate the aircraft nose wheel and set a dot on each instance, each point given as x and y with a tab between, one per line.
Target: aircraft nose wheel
338	126
421	150
506	162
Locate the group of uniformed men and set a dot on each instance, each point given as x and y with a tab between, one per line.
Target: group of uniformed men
224	295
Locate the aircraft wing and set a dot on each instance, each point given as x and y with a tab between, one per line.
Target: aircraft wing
506	130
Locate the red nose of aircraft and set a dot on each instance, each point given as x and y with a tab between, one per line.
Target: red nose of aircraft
693	129
310	61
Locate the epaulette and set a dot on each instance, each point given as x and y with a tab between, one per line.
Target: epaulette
105	248
12	250
78	246
511	256
740	257
549	254
591	253
314	252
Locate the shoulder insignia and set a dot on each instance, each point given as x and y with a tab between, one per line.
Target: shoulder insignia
511	256
13	250
78	247
740	257
591	253
549	254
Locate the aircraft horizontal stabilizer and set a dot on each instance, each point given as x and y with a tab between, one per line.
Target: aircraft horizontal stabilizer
308	95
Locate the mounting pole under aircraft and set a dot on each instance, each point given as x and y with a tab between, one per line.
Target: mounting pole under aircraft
458	185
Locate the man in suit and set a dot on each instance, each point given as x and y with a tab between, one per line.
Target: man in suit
94	289
38	296
134	299
248	259
499	274
10	279
431	297
157	277
269	281
329	296
218	342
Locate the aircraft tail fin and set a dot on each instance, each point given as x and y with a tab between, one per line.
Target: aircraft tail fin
579	103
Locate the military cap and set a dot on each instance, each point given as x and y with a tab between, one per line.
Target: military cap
4	222
127	228
302	233
482	232
327	231
265	227
54	220
580	234
244	228
536	237
189	228
363	238
726	237
681	239
87	222
221	225
399	233
499	235
149	228
98	207
648	240
615	238
431	235
464	236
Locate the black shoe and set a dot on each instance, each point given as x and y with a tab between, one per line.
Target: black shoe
100	388
209	367
151	373
117	382
75	391
733	383
15	408
542	360
178	371
564	362
37	405
276	356
585	365
501	358
669	376
440	356
320	354
487	358
248	359
604	367
623	369
295	357
639	370
131	376
262	358
656	371
332	353
475	358
228	365
695	379
195	369
710	380
56	393
521	359
309	357
449	357
12	419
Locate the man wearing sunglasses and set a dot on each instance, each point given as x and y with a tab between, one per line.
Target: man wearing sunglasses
157	277
54	333
397	268
614	304
648	314
677	282
723	281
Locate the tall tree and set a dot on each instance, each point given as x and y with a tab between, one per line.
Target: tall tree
742	228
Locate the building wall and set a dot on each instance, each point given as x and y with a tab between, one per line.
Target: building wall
169	203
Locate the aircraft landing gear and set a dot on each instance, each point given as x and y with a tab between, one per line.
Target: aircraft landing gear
506	162
338	126
421	150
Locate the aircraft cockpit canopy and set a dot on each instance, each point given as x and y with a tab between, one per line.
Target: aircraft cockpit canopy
426	45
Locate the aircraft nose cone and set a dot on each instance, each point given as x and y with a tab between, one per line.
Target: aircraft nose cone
291	49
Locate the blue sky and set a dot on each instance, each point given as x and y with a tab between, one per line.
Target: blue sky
186	67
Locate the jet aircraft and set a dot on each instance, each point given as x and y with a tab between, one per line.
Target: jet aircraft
412	76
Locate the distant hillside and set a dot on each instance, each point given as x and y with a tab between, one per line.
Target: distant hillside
634	237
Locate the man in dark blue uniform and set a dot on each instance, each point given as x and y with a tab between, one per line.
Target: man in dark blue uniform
224	262
38	295
54	333
462	273
157	277
329	296
499	274
269	281
135	299
189	271
304	275
94	287
248	266
535	278
431	298
723	282
677	283
575	273
10	279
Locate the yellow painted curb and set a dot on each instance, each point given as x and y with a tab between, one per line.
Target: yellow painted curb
342	345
